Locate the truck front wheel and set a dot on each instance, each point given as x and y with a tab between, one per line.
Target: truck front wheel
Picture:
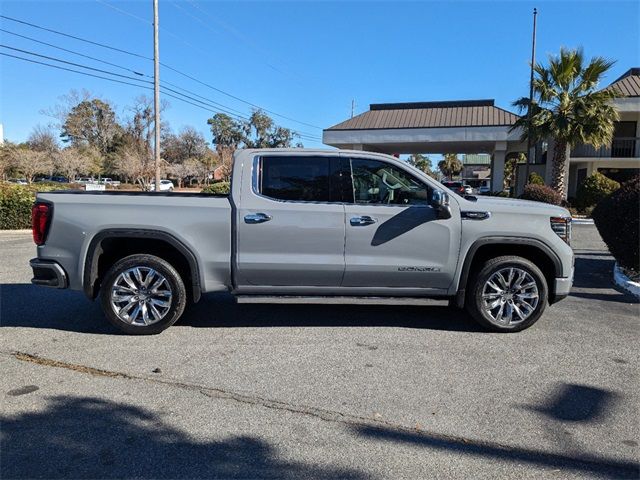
142	295
507	294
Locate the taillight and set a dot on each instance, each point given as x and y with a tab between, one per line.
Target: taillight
40	219
562	227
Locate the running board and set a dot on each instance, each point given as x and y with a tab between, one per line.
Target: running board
337	300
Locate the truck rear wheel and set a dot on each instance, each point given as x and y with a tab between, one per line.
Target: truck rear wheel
507	294
142	295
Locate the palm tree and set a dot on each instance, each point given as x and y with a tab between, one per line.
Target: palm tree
451	165
567	107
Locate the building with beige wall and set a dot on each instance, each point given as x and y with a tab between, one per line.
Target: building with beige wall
481	127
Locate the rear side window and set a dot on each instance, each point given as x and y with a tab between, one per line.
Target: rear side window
302	179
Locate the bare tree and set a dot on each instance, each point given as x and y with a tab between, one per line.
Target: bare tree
188	168
135	165
60	111
7	159
30	163
43	139
73	161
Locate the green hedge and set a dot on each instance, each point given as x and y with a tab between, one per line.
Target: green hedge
593	189
16	202
218	188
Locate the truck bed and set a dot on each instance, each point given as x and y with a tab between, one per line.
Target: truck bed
200	222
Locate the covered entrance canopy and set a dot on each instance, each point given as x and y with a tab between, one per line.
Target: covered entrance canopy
466	126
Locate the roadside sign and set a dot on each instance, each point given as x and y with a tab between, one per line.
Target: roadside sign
95	186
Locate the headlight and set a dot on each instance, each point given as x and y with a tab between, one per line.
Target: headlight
562	227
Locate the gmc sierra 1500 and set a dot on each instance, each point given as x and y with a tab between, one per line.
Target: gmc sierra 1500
305	223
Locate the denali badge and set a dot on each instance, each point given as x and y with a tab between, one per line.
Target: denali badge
418	269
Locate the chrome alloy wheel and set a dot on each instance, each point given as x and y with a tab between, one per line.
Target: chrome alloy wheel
510	296
141	296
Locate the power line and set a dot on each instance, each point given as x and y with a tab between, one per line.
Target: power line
102	71
74	71
178	96
75	38
72	63
146	22
74	52
206	25
165	66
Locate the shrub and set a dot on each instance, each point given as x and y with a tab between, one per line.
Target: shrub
16	202
218	188
541	193
617	218
593	189
535	179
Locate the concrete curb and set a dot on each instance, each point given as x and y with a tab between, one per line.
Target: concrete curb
625	282
9	232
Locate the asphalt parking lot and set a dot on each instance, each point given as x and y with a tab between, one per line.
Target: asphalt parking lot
306	391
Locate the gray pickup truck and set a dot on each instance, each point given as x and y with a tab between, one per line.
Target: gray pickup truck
318	225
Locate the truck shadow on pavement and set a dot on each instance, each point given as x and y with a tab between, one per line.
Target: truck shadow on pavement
25	305
84	437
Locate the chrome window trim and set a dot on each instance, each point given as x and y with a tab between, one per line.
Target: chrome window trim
256	177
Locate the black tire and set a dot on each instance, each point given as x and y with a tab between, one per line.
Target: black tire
164	268
475	302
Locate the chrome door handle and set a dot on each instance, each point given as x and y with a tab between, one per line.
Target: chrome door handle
257	218
363	220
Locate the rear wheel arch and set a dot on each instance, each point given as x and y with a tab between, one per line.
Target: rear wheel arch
491	247
109	246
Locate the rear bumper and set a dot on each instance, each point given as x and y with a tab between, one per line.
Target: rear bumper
48	273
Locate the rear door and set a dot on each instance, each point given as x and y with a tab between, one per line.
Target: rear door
394	237
291	223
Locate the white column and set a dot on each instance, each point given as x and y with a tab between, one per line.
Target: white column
497	170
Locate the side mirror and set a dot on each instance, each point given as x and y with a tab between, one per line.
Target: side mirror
440	201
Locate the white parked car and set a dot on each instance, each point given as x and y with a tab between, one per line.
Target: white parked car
165	186
109	181
19	181
85	180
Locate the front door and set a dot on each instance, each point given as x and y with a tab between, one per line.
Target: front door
394	237
290	222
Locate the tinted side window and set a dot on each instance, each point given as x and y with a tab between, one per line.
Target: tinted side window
377	182
296	178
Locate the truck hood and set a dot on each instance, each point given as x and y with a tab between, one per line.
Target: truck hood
500	204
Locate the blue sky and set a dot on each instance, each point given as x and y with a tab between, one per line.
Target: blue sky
306	60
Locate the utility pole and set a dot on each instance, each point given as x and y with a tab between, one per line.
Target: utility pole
353	106
533	62
156	93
